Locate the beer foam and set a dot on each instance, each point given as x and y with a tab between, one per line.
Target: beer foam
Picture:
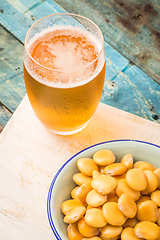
76	72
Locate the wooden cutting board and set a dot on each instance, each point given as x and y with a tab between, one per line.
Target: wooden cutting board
30	156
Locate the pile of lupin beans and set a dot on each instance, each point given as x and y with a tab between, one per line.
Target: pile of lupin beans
113	200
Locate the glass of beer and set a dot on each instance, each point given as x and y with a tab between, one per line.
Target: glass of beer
64	71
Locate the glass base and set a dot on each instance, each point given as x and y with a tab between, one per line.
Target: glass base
65	133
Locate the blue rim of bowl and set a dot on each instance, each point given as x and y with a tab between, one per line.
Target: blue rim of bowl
55	178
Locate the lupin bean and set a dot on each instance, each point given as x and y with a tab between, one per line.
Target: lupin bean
95	174
112	214
95	218
86	166
128	161
147	166
128	234
82	192
95	199
93	238
74	215
143	199
158	219
136	179
155	197
104	157
80	178
86	230
73	192
115	169
123	187
137	164
69	205
146	230
111	231
89	207
131	222
158	236
106	238
152	182
147	211
103	184
119	177
127	205
73	232
157	172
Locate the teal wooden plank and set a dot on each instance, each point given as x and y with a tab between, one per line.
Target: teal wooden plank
25	6
11	51
12	87
130	26
135	92
18	4
115	61
12	94
10	98
23	17
5	115
14	21
149	92
46	8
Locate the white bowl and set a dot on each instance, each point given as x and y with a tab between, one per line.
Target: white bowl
62	183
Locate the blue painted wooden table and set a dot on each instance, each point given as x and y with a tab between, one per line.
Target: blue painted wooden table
131	31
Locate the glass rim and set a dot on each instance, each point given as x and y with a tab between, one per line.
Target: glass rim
63	70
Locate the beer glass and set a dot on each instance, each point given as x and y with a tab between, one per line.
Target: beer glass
64	71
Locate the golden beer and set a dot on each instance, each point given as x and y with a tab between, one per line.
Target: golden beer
64	72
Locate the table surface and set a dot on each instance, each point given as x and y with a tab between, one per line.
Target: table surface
30	156
130	105
131	30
